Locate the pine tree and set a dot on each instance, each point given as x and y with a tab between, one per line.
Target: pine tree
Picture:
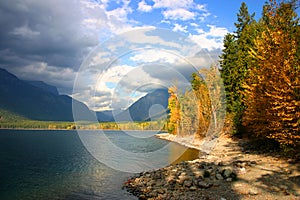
235	63
228	63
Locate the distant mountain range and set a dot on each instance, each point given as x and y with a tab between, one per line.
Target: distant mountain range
152	106
36	100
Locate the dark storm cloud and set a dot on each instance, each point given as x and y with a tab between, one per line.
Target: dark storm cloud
51	32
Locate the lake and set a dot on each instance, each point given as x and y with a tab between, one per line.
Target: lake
52	164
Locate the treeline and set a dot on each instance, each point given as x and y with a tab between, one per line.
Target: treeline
32	124
10	120
200	110
260	70
57	125
149	125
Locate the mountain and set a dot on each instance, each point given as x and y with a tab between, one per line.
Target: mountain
104	116
150	107
37	101
44	86
107	115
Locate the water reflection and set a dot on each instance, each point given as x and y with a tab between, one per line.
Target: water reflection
188	154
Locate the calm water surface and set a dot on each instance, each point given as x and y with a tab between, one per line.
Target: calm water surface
55	165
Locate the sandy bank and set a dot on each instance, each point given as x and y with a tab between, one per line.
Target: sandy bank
204	145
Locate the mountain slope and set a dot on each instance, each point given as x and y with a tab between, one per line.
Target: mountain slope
150	107
44	86
33	102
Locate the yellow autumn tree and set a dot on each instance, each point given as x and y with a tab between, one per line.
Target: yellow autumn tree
272	88
174	108
201	91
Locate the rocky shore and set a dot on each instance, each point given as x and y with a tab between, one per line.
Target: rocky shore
230	171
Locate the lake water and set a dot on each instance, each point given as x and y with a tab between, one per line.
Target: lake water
43	164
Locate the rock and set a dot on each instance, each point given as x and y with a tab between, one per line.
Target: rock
153	194
253	191
206	173
193	188
150	183
160	191
229	179
187	183
285	190
227	172
219	163
142	196
203	184
181	179
219	177
198	174
157	175
241	170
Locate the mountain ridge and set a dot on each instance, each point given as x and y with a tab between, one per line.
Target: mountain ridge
141	110
32	102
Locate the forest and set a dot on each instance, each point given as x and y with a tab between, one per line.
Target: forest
260	72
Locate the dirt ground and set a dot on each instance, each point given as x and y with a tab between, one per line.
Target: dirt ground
261	173
269	177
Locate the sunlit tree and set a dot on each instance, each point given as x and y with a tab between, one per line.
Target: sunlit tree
272	89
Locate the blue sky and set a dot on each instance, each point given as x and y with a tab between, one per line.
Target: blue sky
61	42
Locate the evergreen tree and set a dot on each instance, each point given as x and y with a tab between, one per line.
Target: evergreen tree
235	62
228	63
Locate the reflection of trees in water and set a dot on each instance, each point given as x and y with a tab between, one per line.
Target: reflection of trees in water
186	153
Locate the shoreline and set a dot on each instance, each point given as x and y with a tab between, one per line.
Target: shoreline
204	145
184	141
233	169
36	129
61	129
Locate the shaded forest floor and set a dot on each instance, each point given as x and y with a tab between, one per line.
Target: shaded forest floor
235	169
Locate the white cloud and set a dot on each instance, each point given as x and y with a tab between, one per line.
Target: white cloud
173	4
205	42
217	31
179	28
113	75
194	24
120	13
201	7
144	7
204	16
154	55
107	23
181	9
212	39
57	76
144	36
136	81
179	14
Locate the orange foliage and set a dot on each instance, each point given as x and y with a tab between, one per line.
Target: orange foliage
272	89
174	107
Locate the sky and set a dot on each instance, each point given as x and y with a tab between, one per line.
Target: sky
110	53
